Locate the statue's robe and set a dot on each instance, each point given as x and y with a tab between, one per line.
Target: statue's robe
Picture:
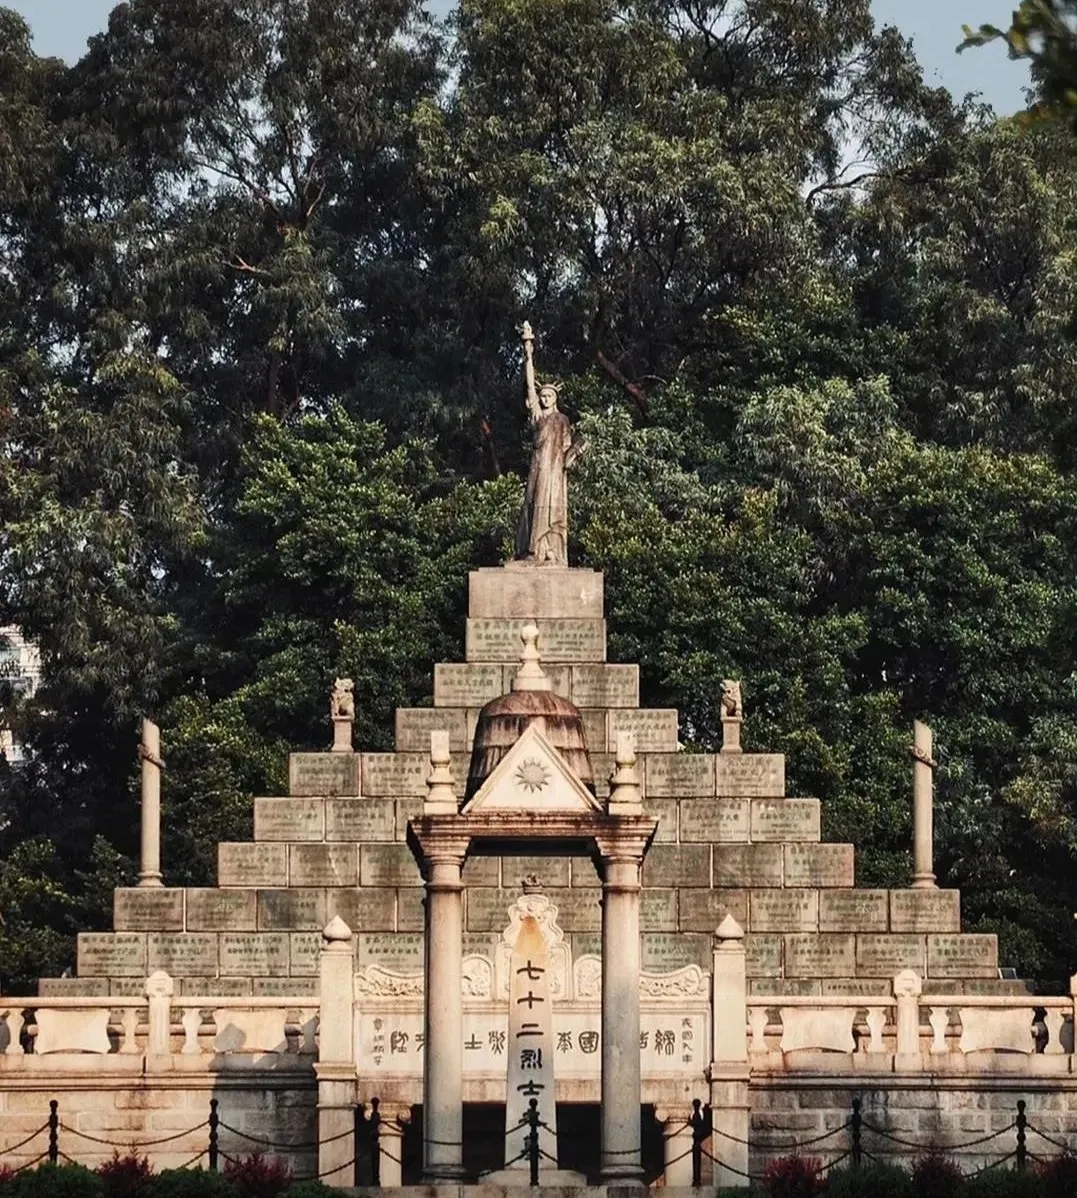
543	532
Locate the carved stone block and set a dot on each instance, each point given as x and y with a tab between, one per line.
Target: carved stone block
323	774
704	910
681	775
763	955
820	955
714	821
254	954
414	725
112	954
605	686
360	819
388	865
560	640
364	908
747	865
291	910
213	910
678	865
664	952
749	775
460	684
322	865
147	909
818	864
655	729
967	955
658	909
783	910
289	819
182	953
925	910
400	952
303	952
882	956
242	864
786	819
853	911
521	594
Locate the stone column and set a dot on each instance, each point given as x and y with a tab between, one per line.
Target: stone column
159	990
923	877
620	1158
729	1074
676	1147
443	1052
150	751
907	990
391	1148
335	1067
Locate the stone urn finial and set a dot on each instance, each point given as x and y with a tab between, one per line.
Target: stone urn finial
529	675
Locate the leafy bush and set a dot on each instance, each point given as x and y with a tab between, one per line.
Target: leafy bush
794	1177
1059	1176
1005	1182
258	1176
310	1189
936	1176
57	1181
187	1183
870	1181
124	1176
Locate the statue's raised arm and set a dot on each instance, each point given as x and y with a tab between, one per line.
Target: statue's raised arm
542	537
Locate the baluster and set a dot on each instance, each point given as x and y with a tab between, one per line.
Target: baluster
192	1023
14	1020
876	1020
130	1024
757	1019
1054	1018
939	1020
308	1030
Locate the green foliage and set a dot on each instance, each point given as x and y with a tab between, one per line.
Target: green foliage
56	1181
188	1183
874	1180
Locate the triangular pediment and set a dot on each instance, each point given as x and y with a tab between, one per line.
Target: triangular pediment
532	776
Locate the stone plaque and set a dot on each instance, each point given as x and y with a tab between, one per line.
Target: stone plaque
285	987
586	944
482	871
72	988
594	733
360	819
212	910
666	812
183	953
882	956
747	775
158	909
857	987
523	593
747	864
304	949
364	908
715	821
323	773
414	725
925	910
820	955
763	955
396	775
467	685
487	908
406	810
213	987
401	952
665	952
853	911
289	819
704	910
550	871
786	819
783	910
410	909
112	954
560	640
250	954
291	910
655	729
681	775
584	872
658	909
322	865
126	987
241	864
605	686
578	910
677	865
818	864
388	865
968	955
784	987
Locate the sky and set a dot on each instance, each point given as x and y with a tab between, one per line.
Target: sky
61	28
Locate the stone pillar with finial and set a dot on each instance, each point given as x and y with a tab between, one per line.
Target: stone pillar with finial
729	1073
149	750
342	714
440	792
626	795
732	716
923	816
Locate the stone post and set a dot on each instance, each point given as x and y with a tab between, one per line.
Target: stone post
907	990
335	1067
729	1074
620	1157
391	1148
342	714
443	1011
923	877
150	751
732	716
676	1147
159	990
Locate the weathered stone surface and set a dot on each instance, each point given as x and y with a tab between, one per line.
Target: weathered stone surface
784	987
550	871
786	819
749	775
72	987
252	864
714	821
406	809
147	909
704	910
285	987
595	731
857	987
967	955
410	909
677	865
664	952
388	865
253	954
605	686
482	871
853	911
763	955
655	728
364	909
665	810
322	865
290	910
459	684
658	910
182	953
882	956
360	819
112	954
925	910
584	872
289	819
303	951
487	908
783	910
818	864
402	952
747	864
520	593
323	774
680	775
820	955
396	775
126	988
414	725
560	640
213	987
213	910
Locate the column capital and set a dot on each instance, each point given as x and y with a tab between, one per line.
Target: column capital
626	845
437	840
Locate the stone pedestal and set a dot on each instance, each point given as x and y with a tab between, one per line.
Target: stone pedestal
730	1115
391	1148
676	1146
335	1068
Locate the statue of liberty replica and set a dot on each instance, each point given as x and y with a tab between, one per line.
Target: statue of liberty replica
542	537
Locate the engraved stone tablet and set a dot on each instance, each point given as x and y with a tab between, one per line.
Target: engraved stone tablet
212	910
360	819
291	910
289	819
522	593
681	775
395	775
747	864
822	955
126	987
241	864
402	952
364	908
388	865
487	908
883	956
786	819
323	773
322	865
750	774
763	955
605	686
664	952
925	910
704	910
72	987
677	865
304	949
655	729
658	909
969	955
213	987
414	725
665	811
559	640
595	732
550	871
818	864
482	871
577	910
410	910
714	820
783	910
857	987
785	987
143	909
467	685
853	911
115	954
183	953
253	954
285	987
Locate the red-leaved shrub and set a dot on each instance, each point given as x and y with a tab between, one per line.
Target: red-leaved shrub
936	1176
794	1177
124	1176
258	1176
